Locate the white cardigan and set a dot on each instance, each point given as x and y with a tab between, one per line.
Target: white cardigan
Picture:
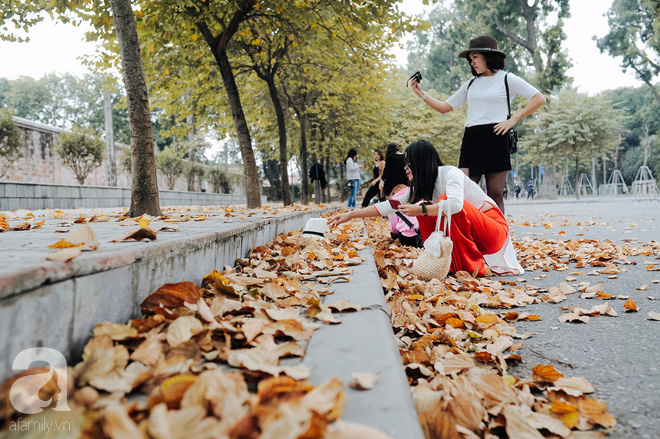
459	188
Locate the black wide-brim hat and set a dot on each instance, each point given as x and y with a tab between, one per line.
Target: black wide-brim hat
482	44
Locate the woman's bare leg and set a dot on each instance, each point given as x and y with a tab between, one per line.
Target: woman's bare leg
495	187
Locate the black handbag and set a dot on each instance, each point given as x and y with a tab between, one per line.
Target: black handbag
512	134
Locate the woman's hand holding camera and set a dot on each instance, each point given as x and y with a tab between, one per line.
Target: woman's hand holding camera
416	88
410	209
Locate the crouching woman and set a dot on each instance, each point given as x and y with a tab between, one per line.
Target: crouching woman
478	229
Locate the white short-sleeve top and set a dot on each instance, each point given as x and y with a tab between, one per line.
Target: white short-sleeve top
486	98
459	188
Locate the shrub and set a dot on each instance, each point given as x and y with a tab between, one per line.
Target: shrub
10	140
195	173
170	164
81	151
219	180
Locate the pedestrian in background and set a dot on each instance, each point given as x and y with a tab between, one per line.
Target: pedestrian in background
376	176
530	189
394	173
352	176
484	150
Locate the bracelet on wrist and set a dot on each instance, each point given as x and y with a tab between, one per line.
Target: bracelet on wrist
424	96
424	210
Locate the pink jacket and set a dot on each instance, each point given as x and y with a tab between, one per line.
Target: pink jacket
399	226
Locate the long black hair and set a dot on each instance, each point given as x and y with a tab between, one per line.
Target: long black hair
392	148
352	153
423	161
494	61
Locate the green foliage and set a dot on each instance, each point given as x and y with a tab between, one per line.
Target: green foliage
171	165
219	180
81	151
64	101
10	141
634	36
126	161
194	173
574	125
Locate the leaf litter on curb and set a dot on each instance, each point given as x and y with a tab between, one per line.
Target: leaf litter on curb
196	352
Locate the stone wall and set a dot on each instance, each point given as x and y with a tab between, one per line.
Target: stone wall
41	164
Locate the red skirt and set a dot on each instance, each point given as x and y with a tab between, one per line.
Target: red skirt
474	234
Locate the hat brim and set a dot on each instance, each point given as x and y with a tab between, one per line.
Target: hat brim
464	54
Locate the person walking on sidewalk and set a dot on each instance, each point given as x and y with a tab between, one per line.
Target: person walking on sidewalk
353	176
394	173
530	189
374	188
478	228
484	150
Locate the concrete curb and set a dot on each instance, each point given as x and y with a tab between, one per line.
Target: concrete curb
364	342
57	304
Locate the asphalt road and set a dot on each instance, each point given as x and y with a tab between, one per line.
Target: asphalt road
619	356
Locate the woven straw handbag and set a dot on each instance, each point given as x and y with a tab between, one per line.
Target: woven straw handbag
434	261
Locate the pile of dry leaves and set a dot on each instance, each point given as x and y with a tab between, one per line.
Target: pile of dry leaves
206	362
456	342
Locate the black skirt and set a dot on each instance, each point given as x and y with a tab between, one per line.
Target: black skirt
483	151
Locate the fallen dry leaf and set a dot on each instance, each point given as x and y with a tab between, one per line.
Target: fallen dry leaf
65	255
654	315
344	305
630	305
138	235
363	380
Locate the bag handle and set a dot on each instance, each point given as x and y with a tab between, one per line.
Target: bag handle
508	103
444	209
405	220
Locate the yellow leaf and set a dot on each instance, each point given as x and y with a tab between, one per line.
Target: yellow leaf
456	323
571	419
415	297
64	244
487	318
256	42
194	37
561	407
166	71
630	305
546	373
143	222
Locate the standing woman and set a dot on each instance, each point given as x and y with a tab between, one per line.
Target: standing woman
377	174
352	176
478	229
484	150
394	173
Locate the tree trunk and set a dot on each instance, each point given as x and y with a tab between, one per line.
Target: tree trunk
548	188
577	176
144	193
281	127
304	178
110	139
327	198
242	130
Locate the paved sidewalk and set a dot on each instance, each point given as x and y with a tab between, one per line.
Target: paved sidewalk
619	355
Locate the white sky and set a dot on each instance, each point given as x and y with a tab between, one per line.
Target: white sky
55	47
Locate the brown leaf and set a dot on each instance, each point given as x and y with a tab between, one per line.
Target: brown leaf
117	424
183	329
116	331
138	235
343	305
169	297
326	399
349	430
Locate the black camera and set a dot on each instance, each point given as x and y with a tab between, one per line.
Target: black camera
417	76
